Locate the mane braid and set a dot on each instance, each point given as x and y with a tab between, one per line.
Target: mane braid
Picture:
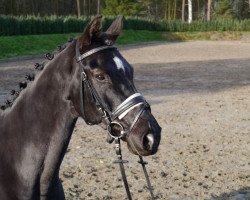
31	77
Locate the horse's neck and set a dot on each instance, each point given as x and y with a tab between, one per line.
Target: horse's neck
38	127
45	106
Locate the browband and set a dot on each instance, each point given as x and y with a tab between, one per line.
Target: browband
92	51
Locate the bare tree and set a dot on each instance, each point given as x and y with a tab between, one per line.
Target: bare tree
78	8
208	10
174	10
190	11
89	4
198	8
84	7
98	7
183	10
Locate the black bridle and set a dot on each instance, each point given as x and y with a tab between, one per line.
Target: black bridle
112	118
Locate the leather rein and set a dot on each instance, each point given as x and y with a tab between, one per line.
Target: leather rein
112	118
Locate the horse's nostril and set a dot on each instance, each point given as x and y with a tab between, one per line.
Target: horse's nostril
148	141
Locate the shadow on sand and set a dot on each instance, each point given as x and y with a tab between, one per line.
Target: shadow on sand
163	79
241	194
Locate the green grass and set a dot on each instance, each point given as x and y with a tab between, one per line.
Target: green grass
136	37
13	46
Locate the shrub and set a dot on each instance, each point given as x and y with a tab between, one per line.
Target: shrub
28	25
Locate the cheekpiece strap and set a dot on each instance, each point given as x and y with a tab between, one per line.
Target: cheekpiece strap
92	51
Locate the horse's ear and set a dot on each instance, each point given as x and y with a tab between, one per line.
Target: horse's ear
92	30
115	28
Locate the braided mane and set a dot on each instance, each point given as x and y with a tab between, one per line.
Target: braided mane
31	77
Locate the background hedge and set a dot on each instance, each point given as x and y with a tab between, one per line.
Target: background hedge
30	25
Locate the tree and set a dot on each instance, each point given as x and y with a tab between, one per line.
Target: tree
111	7
98	7
121	7
241	9
208	10
183	10
225	10
151	9
78	8
170	10
190	11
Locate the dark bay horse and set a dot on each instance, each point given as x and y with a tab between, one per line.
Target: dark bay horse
88	79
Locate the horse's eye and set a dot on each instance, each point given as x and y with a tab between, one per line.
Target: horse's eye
100	77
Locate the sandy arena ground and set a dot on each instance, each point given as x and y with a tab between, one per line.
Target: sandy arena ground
200	95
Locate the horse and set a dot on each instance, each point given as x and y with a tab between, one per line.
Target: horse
88	78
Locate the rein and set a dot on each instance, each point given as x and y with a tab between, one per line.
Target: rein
112	118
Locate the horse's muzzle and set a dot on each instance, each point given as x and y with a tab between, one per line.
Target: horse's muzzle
151	140
145	139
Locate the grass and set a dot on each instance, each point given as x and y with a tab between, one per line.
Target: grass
13	46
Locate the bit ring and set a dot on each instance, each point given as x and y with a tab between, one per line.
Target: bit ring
113	133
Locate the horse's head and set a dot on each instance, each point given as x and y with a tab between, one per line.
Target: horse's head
107	95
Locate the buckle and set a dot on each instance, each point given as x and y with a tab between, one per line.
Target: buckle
83	76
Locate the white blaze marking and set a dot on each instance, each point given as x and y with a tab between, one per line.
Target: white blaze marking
119	63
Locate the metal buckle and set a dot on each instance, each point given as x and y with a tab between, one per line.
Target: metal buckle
83	76
112	133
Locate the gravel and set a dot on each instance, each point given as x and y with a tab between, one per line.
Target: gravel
199	92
